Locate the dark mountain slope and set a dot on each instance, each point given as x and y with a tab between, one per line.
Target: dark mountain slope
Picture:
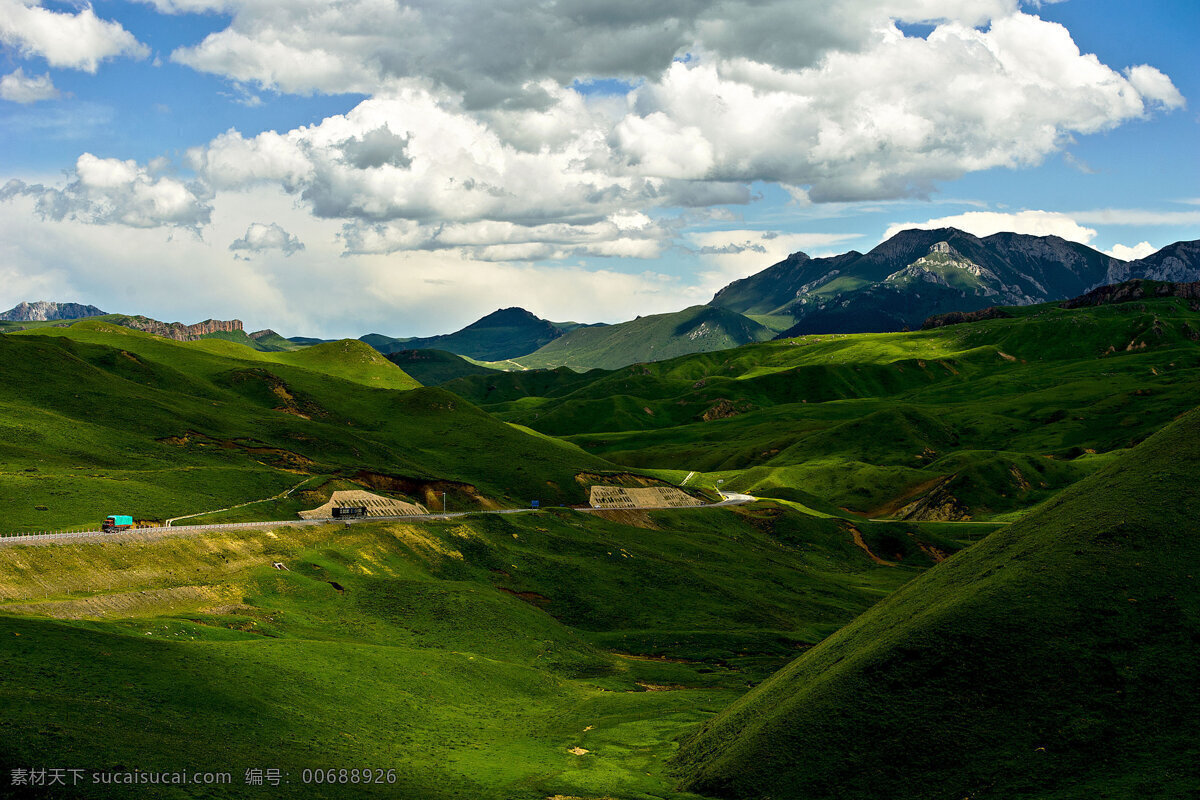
1056	658
699	329
1131	291
506	333
778	285
921	273
434	367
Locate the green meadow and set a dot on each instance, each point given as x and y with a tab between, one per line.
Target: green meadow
968	570
472	656
98	419
978	421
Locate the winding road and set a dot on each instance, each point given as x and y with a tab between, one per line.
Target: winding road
146	534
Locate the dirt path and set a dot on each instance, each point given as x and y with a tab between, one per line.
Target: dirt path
858	541
280	496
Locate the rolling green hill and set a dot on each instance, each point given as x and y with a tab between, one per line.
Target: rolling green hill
98	419
503	334
512	657
698	329
433	367
977	420
1055	659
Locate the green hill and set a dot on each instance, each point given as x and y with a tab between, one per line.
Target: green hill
503	334
498	657
698	329
1055	659
100	419
979	420
433	367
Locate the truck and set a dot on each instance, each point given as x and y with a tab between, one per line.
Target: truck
117	522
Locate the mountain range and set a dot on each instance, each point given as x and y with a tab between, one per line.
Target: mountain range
503	334
920	273
898	285
911	278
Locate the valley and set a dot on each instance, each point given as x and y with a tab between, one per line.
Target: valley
559	400
862	527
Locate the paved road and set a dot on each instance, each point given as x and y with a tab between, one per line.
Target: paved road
143	534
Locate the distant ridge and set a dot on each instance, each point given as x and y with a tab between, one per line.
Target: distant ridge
698	329
434	367
503	334
918	274
44	311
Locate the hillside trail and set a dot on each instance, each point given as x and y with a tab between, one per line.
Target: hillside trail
862	545
280	496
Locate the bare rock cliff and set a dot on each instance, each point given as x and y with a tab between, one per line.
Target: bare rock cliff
180	332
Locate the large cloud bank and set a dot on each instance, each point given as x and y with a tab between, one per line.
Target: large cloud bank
476	135
519	131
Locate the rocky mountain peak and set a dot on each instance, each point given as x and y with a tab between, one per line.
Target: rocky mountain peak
45	310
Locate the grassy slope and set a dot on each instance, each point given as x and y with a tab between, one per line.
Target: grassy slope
99	419
1005	410
195	653
433	367
652	338
506	333
1055	659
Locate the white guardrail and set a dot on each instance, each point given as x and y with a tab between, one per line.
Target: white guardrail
53	536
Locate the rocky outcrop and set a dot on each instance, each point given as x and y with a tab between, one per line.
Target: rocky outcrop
1176	263
43	311
1130	291
937	505
959	317
180	332
724	409
264	333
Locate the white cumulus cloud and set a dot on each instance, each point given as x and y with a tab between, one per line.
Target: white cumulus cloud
17	87
260	237
1127	253
111	191
473	152
78	41
496	52
691	132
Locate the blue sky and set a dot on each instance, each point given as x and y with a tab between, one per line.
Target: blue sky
369	166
